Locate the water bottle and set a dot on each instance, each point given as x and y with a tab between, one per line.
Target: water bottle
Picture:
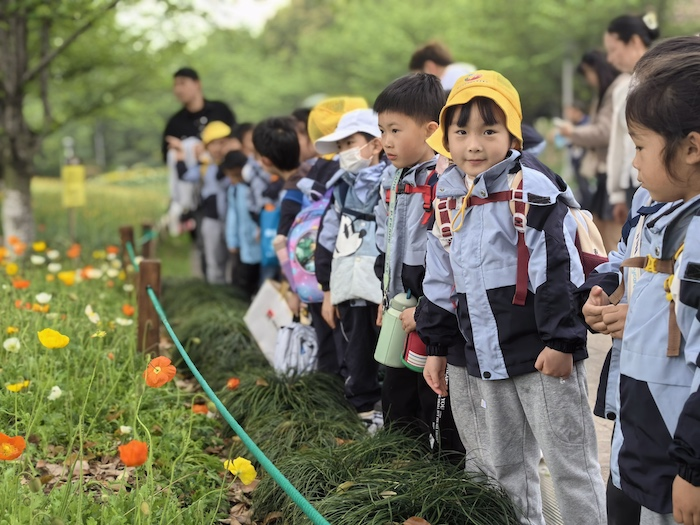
392	338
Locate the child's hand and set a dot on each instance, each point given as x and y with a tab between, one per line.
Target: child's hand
380	313
233	251
614	317
434	374
293	302
554	363
408	323
593	309
686	502
328	311
173	143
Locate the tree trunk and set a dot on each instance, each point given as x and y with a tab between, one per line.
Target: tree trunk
17	214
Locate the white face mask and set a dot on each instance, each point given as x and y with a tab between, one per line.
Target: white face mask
352	160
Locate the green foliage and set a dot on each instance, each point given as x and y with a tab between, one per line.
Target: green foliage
384	479
113	83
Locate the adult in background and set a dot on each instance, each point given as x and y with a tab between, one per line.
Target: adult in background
182	134
435	59
595	136
196	111
627	38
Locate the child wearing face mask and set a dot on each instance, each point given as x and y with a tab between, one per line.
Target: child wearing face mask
346	251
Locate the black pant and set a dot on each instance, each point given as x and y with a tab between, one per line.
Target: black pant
408	403
245	277
329	341
622	510
357	364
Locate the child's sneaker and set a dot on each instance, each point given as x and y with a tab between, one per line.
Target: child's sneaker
373	420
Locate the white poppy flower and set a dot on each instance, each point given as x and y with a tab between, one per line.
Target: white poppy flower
37	259
43	298
128	288
124	322
125	429
92	315
55	393
11	344
112	273
53	254
54	267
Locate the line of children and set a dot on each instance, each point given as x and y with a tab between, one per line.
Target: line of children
497	269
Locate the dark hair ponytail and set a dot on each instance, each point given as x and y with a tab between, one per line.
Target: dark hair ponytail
645	27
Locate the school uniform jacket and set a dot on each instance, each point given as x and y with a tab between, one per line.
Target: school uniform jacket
655	395
407	239
502	339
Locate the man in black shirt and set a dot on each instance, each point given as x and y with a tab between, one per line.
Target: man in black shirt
196	112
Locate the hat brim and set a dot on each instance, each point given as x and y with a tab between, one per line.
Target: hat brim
329	143
435	141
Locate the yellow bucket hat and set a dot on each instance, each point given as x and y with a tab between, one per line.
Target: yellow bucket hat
215	130
325	115
487	84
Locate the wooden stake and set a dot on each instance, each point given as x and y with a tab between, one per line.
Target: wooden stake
149	324
148	250
126	234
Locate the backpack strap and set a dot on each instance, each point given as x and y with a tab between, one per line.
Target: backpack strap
427	190
653	265
520	208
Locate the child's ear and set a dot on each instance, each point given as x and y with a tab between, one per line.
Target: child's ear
431	127
266	163
376	145
692	148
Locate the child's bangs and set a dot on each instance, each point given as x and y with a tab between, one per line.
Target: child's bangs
488	110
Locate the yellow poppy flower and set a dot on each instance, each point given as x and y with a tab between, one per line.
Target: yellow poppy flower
12	330
242	469
67	278
11	269
52	339
18	387
39	246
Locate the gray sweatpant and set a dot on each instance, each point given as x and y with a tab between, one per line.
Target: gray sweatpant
524	415
215	252
649	517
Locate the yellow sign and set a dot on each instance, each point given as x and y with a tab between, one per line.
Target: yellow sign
73	178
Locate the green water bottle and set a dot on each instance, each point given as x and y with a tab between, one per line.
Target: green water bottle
392	338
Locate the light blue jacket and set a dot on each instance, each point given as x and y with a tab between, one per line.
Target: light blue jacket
654	390
242	232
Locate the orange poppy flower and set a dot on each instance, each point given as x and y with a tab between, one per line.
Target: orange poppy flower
19	248
134	453
159	372
13	239
128	310
18	303
11	447
200	409
233	383
114	250
20	284
74	251
3	252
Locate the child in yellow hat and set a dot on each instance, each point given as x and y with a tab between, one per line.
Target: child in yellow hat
523	388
